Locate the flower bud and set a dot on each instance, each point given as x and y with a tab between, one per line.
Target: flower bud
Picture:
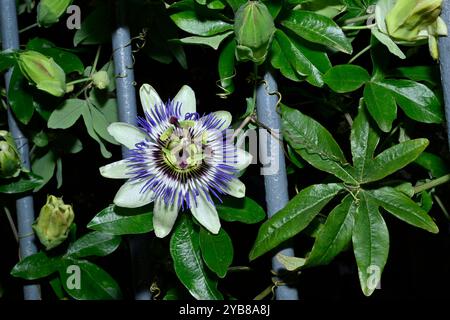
54	221
49	11
43	71
10	164
254	29
100	80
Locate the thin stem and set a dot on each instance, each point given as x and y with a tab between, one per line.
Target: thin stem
34	25
264	293
359	54
431	184
239	268
11	223
78	81
97	56
358	19
358	27
242	126
441	205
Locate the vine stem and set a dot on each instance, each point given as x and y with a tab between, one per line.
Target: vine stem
431	184
78	81
358	27
34	25
358	19
359	54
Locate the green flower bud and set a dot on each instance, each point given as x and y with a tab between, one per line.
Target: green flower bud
254	29
44	72
54	221
10	164
100	80
49	11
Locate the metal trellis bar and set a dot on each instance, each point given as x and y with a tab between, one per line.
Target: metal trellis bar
24	205
275	184
444	49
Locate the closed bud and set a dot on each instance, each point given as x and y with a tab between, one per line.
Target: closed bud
43	71
49	11
254	29
54	221
100	80
10	164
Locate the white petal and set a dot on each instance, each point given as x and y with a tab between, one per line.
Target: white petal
244	159
236	188
186	97
129	195
164	217
149	98
126	134
115	170
225	117
206	214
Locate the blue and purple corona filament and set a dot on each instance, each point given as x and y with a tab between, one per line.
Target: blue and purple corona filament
178	159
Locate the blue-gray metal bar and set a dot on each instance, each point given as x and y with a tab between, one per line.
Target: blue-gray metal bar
24	206
444	52
275	182
126	99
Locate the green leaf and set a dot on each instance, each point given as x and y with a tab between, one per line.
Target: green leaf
89	123
25	182
94	244
67	114
189	21
187	259
44	166
417	100
217	251
235	4
290	263
346	78
335	235
120	221
7	61
57	287
244	210
68	61
364	140
315	144
394	159
389	43
381	105
428	74
370	243
59	174
95	283
289	57
318	29
212	41
35	267
101	124
96	28
19	97
295	158
226	67
433	163
294	217
404	208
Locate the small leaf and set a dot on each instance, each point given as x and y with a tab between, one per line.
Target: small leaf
346	78
186	255
433	163
403	208
294	217
96	28
25	182
67	114
244	210
318	29
101	124
315	144
217	251
94	282
290	263
381	104
335	235
19	97
389	43
88	121
94	244
7	61
121	221
189	21
226	67
35	267
211	41
370	243
417	100
44	166
394	159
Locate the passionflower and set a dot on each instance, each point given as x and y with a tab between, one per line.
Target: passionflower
177	159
